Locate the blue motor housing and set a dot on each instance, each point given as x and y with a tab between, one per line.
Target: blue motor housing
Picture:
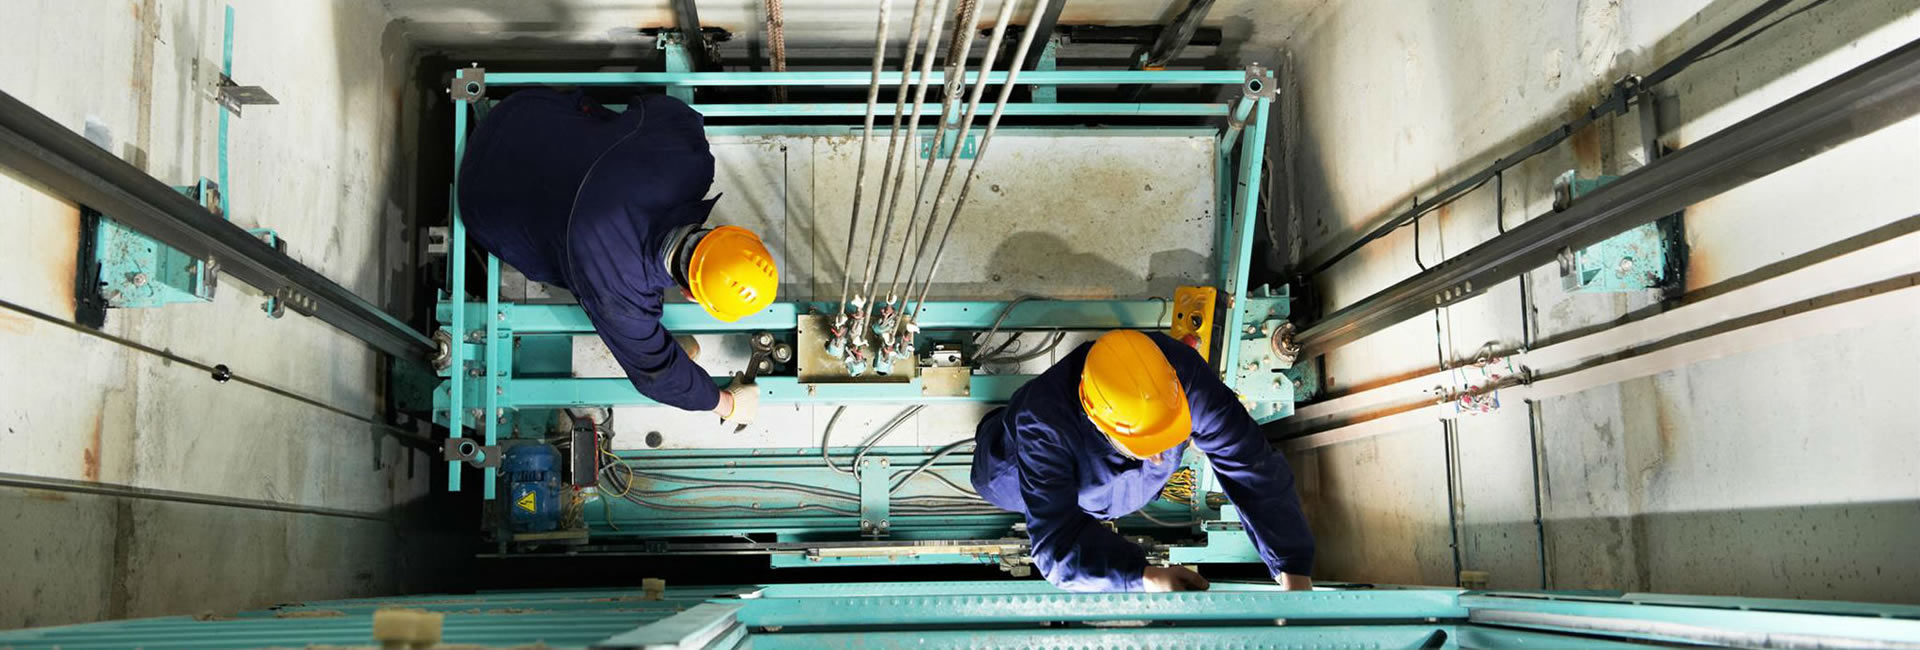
533	488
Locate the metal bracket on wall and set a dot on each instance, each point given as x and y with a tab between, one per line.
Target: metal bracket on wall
1647	256
1266	350
469	84
232	96
273	306
875	497
1259	84
133	270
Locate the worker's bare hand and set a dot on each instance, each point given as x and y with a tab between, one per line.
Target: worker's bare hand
1172	578
1294	582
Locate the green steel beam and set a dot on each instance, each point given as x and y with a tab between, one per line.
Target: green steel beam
553	393
1016	110
862	78
1239	257
689	318
1411	637
456	281
1048	603
835	130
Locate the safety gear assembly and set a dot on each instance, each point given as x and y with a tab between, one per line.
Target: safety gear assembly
1050	456
611	207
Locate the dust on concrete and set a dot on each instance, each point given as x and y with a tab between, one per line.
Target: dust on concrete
311	613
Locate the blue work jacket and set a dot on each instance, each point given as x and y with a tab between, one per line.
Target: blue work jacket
575	195
1041	457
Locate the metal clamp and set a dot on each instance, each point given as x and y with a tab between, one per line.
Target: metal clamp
1260	83
469	84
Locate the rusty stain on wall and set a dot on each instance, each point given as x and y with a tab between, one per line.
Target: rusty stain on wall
15	324
90	456
56	238
1587	151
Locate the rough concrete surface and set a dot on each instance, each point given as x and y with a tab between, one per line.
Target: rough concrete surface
321	168
1786	471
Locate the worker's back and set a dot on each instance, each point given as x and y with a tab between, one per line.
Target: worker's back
545	167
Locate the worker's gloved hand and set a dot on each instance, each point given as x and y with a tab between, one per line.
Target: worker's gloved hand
1294	582
746	401
1171	578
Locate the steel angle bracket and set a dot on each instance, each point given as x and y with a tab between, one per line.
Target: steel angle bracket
469	84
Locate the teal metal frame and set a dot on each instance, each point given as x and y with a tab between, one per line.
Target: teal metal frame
499	365
1028	613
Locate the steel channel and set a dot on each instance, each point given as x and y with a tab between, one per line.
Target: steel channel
456	288
66	163
1247	197
1861	101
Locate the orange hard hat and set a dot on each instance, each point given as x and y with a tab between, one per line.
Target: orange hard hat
731	274
1133	395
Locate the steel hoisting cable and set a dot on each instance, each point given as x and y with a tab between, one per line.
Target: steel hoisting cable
966	126
957	50
866	136
777	44
896	175
980	150
877	240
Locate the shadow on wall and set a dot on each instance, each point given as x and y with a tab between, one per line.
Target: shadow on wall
1842	551
1323	191
1044	264
1854	551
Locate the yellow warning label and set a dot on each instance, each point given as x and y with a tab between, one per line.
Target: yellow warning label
525	502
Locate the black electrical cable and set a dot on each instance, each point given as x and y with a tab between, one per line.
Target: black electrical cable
995	329
625	490
1045	347
1758	31
937	455
860	455
826	438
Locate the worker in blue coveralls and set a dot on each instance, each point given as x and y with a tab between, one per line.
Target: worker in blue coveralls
612	207
1098	435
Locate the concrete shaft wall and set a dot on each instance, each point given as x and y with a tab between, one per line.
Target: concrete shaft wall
323	168
1787	471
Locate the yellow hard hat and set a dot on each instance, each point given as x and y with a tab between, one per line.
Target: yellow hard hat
731	274
1132	394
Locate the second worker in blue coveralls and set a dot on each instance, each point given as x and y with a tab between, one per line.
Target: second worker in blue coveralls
612	207
1097	436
